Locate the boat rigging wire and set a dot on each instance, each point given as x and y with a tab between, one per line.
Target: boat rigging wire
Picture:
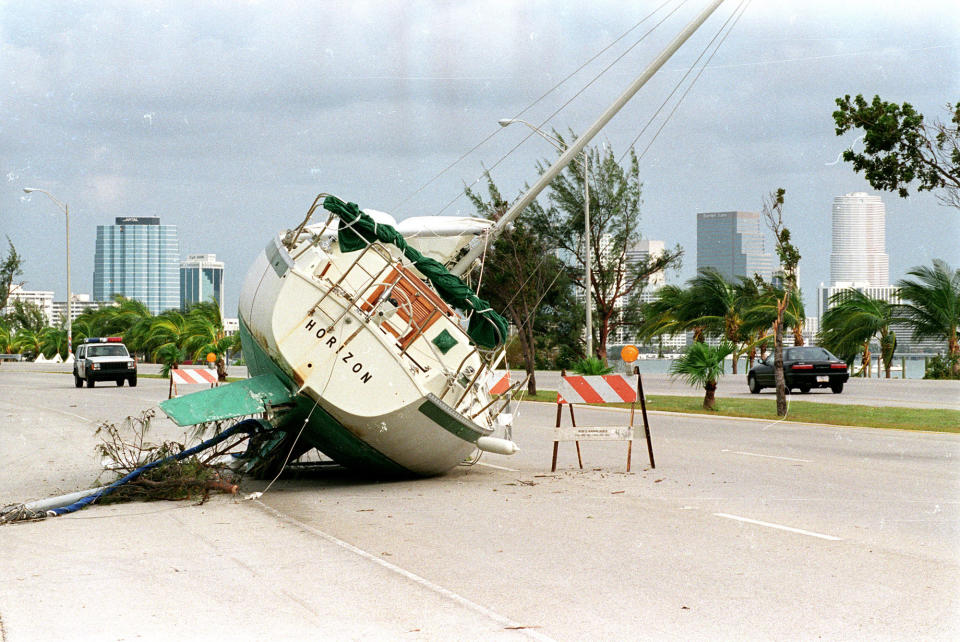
564	105
537	101
742	7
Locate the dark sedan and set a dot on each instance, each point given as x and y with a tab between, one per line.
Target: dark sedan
803	368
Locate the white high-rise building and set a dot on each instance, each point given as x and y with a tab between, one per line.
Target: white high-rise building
858	257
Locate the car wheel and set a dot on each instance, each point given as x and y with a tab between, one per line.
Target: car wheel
752	384
133	381
77	381
804	389
90	382
119	383
836	387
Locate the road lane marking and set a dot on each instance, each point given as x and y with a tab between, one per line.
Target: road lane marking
779	526
413	577
512	470
740	452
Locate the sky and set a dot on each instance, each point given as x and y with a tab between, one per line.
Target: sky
227	118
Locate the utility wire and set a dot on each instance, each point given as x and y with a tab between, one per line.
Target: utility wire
735	17
537	101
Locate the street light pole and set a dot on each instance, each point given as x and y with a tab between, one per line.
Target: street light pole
66	212
588	300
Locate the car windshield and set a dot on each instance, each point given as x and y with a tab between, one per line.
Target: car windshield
106	351
807	353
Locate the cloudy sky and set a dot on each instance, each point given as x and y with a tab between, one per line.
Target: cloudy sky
227	118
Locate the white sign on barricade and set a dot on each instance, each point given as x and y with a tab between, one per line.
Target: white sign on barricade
599	389
193	376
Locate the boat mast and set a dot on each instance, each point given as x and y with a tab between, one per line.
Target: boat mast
464	264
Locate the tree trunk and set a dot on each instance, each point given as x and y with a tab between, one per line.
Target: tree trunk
709	399
798	335
778	357
953	349
527	345
865	366
221	369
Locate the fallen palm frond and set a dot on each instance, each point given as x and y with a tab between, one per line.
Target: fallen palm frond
126	447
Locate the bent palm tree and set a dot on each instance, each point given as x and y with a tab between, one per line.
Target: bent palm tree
721	305
702	365
853	320
932	305
205	334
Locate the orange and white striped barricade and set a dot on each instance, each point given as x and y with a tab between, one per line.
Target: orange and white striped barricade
192	376
599	389
502	385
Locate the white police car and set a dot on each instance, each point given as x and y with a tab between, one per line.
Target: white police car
104	359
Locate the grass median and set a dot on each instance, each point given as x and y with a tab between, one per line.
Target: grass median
800	411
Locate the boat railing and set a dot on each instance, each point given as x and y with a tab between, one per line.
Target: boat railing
417	305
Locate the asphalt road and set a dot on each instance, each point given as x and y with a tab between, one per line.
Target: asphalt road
745	530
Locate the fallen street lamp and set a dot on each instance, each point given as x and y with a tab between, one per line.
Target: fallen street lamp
66	212
588	301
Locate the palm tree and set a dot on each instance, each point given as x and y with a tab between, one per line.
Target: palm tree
853	320
702	365
27	341
6	337
674	311
53	341
119	319
164	340
931	305
205	335
723	305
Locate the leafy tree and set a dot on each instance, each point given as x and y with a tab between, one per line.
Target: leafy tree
523	278
9	270
789	258
27	315
853	321
899	149
616	280
702	365
931	305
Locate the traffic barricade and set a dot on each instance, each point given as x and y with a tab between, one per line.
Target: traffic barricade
599	389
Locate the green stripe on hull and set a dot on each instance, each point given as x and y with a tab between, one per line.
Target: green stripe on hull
323	431
445	416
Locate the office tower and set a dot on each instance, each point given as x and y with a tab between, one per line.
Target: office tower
201	279
138	258
732	244
642	251
858	257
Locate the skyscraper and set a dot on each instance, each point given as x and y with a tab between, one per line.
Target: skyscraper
858	256
732	244
201	279
138	258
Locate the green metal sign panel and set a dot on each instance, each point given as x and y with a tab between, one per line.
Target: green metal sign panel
247	397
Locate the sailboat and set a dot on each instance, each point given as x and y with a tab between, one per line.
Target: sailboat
363	343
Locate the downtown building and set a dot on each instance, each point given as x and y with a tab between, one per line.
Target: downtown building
858	256
732	243
859	261
201	279
138	258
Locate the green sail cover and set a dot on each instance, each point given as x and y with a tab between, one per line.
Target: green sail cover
356	230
